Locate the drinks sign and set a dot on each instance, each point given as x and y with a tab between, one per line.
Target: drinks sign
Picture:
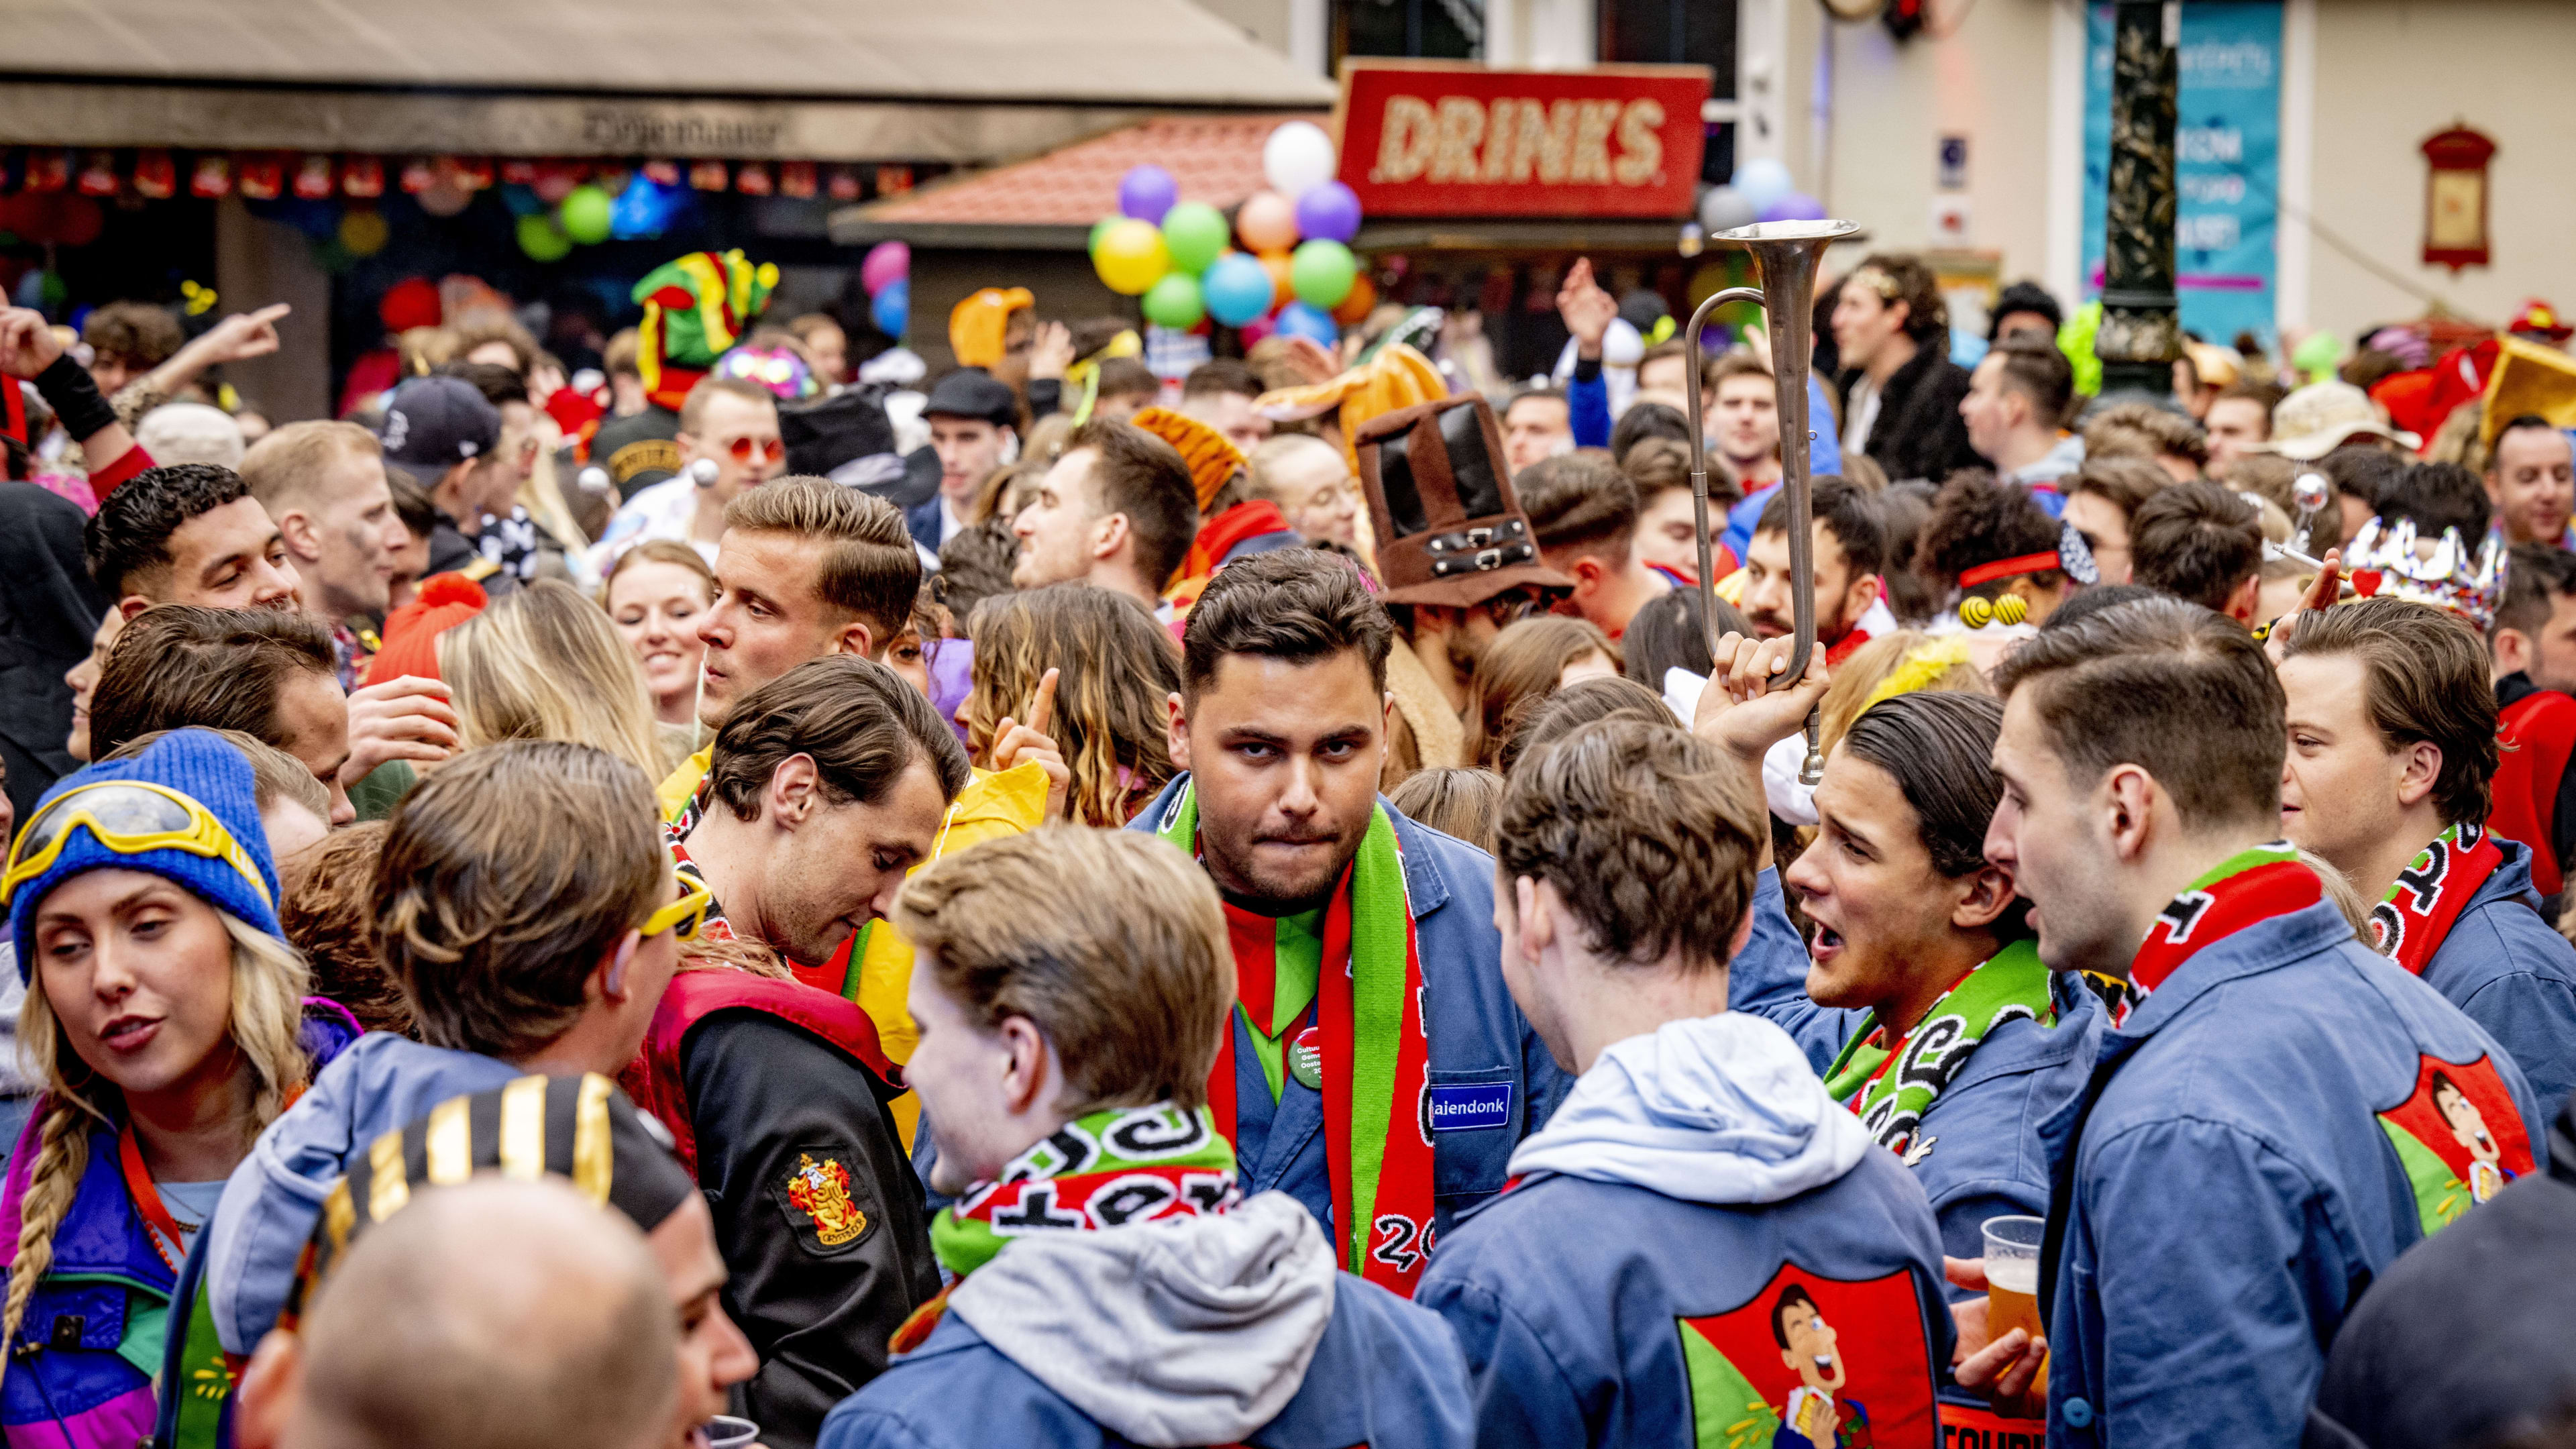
1423	138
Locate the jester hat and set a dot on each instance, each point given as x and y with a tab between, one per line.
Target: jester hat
695	308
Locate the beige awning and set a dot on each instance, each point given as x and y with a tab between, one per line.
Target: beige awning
959	80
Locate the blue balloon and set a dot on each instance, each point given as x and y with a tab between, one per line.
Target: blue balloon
1763	181
891	308
1237	288
643	209
1304	319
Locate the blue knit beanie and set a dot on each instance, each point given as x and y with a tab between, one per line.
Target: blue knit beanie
201	766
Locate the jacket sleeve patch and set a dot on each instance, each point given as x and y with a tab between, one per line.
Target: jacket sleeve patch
814	1193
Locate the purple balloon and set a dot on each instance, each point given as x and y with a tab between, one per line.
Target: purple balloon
889	261
1330	212
1796	206
1146	192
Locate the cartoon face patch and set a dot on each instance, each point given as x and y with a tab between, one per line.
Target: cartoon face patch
2460	1137
1812	1363
815	1195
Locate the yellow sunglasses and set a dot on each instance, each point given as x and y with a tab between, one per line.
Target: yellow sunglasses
682	917
129	817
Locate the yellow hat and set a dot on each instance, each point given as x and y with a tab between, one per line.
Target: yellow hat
976	325
1398	377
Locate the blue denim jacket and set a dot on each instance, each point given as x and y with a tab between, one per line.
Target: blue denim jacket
2226	1185
1478	1037
2514	975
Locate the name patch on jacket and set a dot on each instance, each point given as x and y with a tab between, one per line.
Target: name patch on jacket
1474	1105
815	1195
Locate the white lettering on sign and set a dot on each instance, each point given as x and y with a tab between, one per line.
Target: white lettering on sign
2210	232
2209	144
1518	139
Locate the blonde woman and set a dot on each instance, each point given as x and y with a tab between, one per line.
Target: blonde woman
165	1016
544	663
655	593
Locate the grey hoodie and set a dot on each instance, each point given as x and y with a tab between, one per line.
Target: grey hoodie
1194	1331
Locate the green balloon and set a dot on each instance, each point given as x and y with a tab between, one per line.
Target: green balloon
542	240
1099	229
1175	302
2317	352
1194	232
1321	273
584	215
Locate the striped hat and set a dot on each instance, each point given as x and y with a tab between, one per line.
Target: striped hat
1212	457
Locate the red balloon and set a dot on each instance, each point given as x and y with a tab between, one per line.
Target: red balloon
35	216
412	302
82	221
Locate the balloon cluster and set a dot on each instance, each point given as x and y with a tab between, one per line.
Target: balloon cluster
886	273
1761	190
1295	274
586	216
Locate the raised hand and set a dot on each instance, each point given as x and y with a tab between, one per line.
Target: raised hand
1015	743
1747	708
1586	309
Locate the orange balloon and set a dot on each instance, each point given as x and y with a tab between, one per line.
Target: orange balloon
1362	300
1267	222
1277	263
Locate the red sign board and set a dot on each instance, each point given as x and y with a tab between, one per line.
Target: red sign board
1422	138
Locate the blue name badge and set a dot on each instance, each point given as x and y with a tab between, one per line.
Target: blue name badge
1465	1108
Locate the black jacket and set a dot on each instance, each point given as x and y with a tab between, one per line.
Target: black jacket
766	1099
1919	433
48	610
2465	1337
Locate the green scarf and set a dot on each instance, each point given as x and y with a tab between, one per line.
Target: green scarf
1891	1099
1103	1169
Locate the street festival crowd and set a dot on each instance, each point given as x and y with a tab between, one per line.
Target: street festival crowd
763	894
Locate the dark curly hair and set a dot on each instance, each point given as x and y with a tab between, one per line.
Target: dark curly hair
1977	519
329	915
1296	604
131	531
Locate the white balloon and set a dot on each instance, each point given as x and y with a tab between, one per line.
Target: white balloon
1297	156
1725	208
1763	181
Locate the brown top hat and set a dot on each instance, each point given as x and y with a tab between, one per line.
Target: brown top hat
1449	528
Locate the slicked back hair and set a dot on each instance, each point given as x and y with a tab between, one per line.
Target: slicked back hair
179	665
860	723
2424	678
868	567
1298	604
2177	690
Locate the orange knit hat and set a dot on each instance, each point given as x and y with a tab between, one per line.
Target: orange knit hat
411	632
1211	456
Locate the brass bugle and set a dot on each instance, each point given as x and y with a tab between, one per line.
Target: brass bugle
1788	254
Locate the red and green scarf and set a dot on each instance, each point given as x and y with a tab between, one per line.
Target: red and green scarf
1891	1087
2430	894
1105	1169
1376	1058
2245	889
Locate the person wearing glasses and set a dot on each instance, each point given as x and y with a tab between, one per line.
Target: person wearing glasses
728	445
167	1023
525	906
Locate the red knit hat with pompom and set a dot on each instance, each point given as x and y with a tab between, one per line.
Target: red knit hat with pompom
411	632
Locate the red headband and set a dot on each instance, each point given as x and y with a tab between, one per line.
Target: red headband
2004	568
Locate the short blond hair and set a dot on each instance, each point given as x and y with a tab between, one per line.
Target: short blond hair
1126	971
869	566
283	467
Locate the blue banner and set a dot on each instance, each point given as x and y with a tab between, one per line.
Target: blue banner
2227	162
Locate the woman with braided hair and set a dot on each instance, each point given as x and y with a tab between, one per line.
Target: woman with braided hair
165	1015
1116	670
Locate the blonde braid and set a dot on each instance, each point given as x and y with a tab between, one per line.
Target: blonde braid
55	1180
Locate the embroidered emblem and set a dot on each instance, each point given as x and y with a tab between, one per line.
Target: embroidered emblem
2460	1137
821	1191
1811	1362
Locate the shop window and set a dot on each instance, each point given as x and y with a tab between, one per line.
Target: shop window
1695	32
1420	29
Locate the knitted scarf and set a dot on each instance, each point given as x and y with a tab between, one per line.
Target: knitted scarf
1891	1088
1376	1060
2246	888
2426	902
1104	1169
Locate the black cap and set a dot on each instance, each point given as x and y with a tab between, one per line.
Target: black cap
971	392
434	423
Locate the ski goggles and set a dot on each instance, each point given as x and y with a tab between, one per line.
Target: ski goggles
682	917
129	817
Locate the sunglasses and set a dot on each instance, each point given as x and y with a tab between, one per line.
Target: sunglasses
774	450
682	917
130	817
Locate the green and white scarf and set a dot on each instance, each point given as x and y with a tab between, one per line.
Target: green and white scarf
1892	1087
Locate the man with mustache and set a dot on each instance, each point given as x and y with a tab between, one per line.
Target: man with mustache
1374	1069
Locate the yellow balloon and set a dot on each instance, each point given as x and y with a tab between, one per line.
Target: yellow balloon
364	233
1131	257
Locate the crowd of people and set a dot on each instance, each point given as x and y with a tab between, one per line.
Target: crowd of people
1298	903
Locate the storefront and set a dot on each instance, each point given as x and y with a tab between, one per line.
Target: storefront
289	150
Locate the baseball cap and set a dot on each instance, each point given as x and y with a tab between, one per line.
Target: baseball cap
971	392
434	423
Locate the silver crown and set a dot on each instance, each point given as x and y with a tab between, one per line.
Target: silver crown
2383	561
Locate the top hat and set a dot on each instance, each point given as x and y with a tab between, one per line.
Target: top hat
1450	530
